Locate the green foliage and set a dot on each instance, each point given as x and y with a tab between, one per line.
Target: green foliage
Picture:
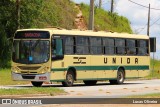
60	13
33	14
49	13
33	91
6	79
7	28
30	10
106	21
156	72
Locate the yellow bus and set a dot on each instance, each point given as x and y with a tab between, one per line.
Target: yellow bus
59	55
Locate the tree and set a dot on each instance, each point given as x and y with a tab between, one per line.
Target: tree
7	28
8	23
30	10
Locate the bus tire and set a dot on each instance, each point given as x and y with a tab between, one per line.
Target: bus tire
36	84
69	79
120	77
91	82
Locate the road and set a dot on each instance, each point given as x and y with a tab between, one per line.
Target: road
104	90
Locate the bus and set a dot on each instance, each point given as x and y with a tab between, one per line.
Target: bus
59	55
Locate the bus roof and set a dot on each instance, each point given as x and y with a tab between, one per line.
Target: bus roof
88	33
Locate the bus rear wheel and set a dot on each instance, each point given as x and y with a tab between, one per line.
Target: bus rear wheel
36	84
91	82
120	77
69	79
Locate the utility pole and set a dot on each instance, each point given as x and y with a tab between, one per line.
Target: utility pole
91	16
148	25
148	29
112	6
18	13
100	3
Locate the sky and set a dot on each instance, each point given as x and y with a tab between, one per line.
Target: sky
137	15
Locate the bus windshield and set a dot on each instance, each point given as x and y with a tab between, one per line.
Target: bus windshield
30	51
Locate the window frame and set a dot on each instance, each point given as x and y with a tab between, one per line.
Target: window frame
135	53
104	51
117	47
73	51
101	45
146	47
82	46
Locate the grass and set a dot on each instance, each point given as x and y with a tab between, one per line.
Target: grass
33	91
153	95
106	21
156	72
5	78
60	13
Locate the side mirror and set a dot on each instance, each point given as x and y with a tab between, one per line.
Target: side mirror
153	44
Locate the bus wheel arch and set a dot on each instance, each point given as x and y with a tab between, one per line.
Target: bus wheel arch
70	77
72	69
120	76
123	69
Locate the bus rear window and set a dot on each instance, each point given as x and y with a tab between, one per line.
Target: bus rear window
32	35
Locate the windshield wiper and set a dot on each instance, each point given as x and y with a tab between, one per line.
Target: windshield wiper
37	42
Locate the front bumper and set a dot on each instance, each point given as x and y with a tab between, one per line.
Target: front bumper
31	77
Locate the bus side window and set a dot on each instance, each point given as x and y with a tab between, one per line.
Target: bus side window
57	49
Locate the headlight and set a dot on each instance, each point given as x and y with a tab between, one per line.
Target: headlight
44	70
14	69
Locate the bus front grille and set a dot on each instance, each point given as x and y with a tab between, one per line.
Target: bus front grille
24	72
28	76
27	72
28	67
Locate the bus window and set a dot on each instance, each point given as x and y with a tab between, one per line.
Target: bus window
120	46
69	45
108	44
57	49
95	45
131	47
142	48
82	46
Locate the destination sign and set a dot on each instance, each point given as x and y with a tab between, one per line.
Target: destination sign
32	35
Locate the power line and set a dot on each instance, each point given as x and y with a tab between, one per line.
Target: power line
103	3
141	29
155	22
142	5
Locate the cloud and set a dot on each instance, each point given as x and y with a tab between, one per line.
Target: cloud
82	1
136	14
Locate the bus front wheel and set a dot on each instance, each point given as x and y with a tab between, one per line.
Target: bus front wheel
69	79
36	84
120	77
